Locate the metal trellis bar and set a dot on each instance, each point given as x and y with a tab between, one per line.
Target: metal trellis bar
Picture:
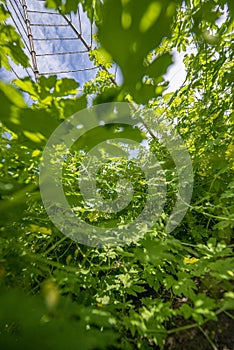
30	37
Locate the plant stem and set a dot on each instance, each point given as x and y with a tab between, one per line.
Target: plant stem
208	338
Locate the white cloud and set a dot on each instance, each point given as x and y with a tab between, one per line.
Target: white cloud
66	62
53	63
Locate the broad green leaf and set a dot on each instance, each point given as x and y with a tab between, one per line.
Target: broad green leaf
36	125
12	209
126	32
11	47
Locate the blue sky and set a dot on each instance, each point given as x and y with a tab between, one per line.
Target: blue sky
56	63
53	63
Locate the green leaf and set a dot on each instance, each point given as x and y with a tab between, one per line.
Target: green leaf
126	32
11	47
24	319
12	209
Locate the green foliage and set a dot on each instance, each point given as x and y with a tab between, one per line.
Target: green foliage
56	293
10	42
126	32
92	7
30	322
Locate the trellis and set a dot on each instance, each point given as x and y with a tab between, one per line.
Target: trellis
57	44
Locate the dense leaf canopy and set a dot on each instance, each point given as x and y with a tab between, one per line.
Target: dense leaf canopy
57	293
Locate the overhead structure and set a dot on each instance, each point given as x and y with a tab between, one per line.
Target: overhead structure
30	39
57	44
